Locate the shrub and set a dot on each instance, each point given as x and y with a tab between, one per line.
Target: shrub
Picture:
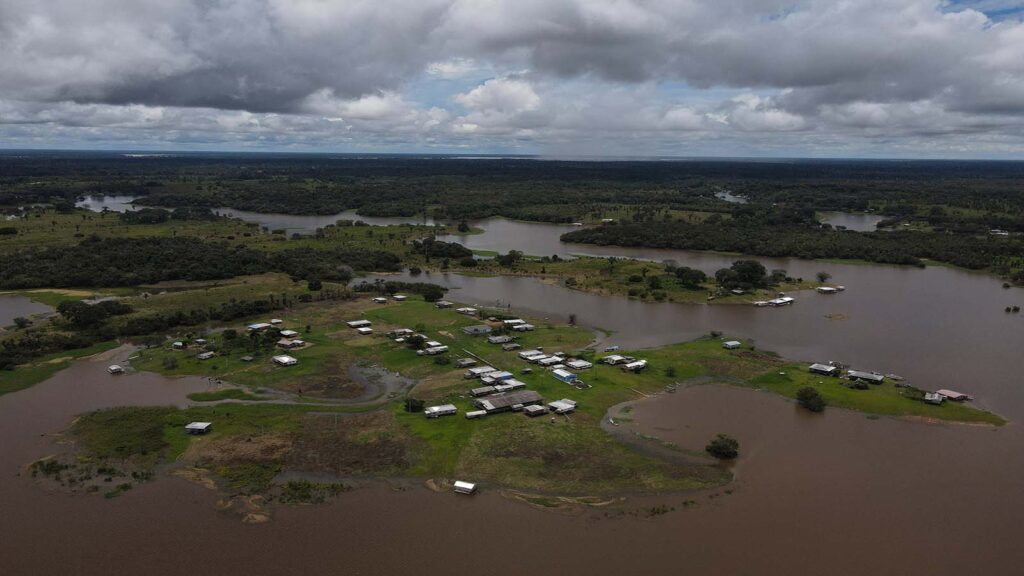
810	399
723	447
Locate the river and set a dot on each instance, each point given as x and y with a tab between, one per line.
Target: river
837	493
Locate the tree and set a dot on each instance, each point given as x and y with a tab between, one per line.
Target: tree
824	277
723	447
463	226
22	322
810	399
315	285
690	278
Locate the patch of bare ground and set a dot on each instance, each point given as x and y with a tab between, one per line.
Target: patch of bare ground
254	449
350	445
332	381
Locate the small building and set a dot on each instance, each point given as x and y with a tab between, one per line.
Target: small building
737	292
276	321
534	410
826	290
473	414
529	355
563	406
579	364
438	411
288	333
284	360
782	301
558	367
467	311
549	361
614	359
288	344
198	427
432	351
499	339
399	332
115	369
477	372
869	377
200	341
432	344
732	344
564	376
509	385
465	487
364	331
465	362
178	345
359	323
524	327
635	366
205	355
954	395
511	346
934	398
761	303
258	327
247	358
400	297
380	300
508	401
483	391
500	375
513	322
823	369
478	330
443	304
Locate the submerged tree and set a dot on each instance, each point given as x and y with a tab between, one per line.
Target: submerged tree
723	447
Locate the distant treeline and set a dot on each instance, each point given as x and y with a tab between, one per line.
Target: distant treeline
110	262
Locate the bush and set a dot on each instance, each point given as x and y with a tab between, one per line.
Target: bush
810	399
723	447
170	362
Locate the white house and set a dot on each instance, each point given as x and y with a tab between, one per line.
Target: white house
438	411
364	331
579	364
284	360
198	427
400	297
635	366
359	323
732	344
289	333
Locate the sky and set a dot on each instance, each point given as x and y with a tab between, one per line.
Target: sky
558	78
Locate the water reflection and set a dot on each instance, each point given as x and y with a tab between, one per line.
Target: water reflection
852	221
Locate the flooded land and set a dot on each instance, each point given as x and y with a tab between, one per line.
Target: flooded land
836	493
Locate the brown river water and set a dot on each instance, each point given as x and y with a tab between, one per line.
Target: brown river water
837	493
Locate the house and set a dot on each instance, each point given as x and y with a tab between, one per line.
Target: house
472	414
359	324
508	385
364	331
511	346
579	364
482	391
432	344
464	487
289	344
534	410
198	427
477	372
564	376
934	398
499	339
276	321
178	345
432	351
607	220
380	300
614	359
205	355
782	301
635	366
761	303
400	332
509	401
869	377
549	361
732	344
200	341
289	333
954	395
529	355
284	360
478	330
737	292
443	304
499	375
467	311
513	322
823	369
826	290
557	367
438	411
115	369
523	327
465	362
563	406
258	327
400	297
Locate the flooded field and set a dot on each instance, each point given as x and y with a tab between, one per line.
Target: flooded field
852	221
12	307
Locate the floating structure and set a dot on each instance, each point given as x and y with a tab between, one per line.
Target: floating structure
579	364
438	411
782	301
823	369
732	344
198	427
464	487
359	323
510	401
870	377
564	376
954	395
284	360
205	355
827	290
115	369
